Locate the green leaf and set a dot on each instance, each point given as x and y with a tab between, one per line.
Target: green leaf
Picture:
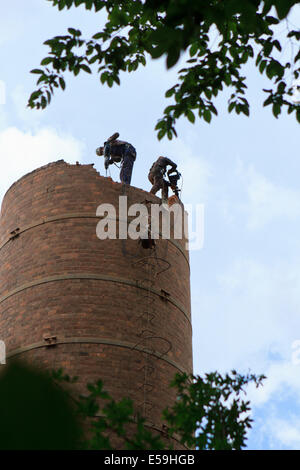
173	56
258	59
35	95
157	51
37	71
268	46
62	83
277	44
85	68
272	20
190	115
168	109
159	125
47	60
43	78
283	7
48	96
262	66
93	59
61	4
207	115
276	109
103	77
43	102
208	93
245	109
193	49
170	92
161	134
274	69
72	31
281	87
97	35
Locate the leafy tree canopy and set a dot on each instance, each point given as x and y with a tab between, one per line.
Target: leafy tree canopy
136	30
40	410
209	414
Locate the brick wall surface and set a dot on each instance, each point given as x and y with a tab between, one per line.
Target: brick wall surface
116	311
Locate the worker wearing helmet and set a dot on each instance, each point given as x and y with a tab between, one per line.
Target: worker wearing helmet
116	151
156	175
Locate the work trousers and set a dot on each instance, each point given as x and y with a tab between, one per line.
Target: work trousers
126	168
128	155
158	182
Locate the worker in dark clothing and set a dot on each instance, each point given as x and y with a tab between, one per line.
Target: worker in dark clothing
116	151
156	176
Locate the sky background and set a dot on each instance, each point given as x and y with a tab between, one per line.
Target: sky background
246	279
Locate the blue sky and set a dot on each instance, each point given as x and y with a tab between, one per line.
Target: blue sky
246	278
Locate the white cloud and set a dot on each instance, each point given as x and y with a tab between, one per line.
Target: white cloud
288	433
252	200
10	28
266	201
22	152
251	317
283	381
262	305
2	92
252	321
3	118
3	102
280	433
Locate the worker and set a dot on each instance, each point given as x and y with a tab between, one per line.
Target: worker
156	176
116	151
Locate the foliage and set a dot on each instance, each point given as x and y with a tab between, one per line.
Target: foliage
34	413
113	420
138	29
40	411
209	413
107	418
